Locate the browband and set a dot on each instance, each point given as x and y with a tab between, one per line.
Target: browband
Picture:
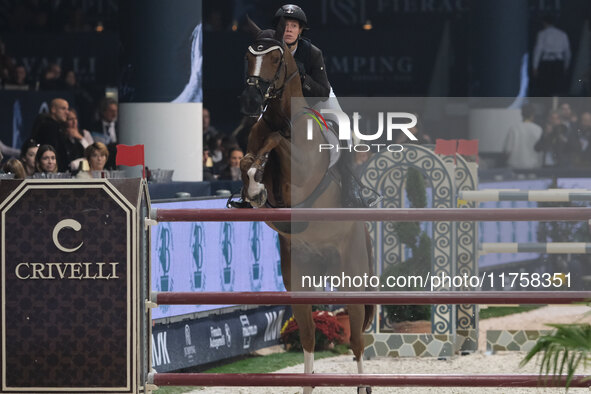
264	51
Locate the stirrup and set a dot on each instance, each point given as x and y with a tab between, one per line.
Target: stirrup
242	204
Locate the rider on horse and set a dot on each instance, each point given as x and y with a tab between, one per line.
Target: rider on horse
315	83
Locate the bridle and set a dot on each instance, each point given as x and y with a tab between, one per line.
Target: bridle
268	88
271	89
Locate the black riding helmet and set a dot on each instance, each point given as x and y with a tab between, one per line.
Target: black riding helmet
291	11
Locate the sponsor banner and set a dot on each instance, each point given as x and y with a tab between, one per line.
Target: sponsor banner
68	282
212	256
217	337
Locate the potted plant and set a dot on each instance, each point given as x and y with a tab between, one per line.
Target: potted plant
328	332
565	349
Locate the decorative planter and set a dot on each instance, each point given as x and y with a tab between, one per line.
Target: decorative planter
343	319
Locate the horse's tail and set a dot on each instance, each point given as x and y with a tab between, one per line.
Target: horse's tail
369	309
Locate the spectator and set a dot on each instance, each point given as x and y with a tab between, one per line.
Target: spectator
51	78
207	166
51	130
46	160
97	155
567	116
551	59
6	65
19	79
28	153
231	171
105	130
520	142
211	138
557	143
73	131
14	166
584	134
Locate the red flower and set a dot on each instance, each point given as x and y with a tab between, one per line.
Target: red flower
328	331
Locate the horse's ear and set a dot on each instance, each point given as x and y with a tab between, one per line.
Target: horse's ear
280	29
252	27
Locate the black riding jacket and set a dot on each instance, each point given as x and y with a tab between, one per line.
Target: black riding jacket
314	80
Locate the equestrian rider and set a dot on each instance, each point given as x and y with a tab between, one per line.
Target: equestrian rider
315	83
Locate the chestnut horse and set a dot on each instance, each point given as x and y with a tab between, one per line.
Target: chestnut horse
283	168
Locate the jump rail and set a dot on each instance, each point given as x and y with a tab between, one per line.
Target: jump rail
334	380
536	247
551	195
378	297
368	214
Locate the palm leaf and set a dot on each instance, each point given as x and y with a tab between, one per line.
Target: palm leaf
562	351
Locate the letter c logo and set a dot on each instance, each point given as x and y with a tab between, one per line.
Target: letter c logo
66	223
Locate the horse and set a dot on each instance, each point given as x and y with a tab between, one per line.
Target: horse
284	168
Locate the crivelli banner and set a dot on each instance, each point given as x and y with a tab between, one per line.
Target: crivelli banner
212	256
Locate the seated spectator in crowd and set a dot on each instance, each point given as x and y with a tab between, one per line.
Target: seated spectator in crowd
6	65
231	171
19	80
520	141
567	116
97	155
105	130
225	145
557	143
584	134
73	131
50	129
46	160
207	166
14	166
28	153
211	138
51	79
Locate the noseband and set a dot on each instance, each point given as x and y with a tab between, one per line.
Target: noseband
268	88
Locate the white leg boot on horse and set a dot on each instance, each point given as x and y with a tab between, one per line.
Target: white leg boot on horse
303	316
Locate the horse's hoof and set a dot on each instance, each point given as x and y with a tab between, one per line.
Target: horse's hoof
360	390
260	199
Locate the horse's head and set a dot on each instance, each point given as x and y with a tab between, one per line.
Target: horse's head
266	69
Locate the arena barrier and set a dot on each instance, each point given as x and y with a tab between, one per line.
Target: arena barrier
372	215
356	380
439	297
378	297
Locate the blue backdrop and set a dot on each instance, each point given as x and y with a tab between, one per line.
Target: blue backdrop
212	256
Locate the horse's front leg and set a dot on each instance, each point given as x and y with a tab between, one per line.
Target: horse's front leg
255	169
